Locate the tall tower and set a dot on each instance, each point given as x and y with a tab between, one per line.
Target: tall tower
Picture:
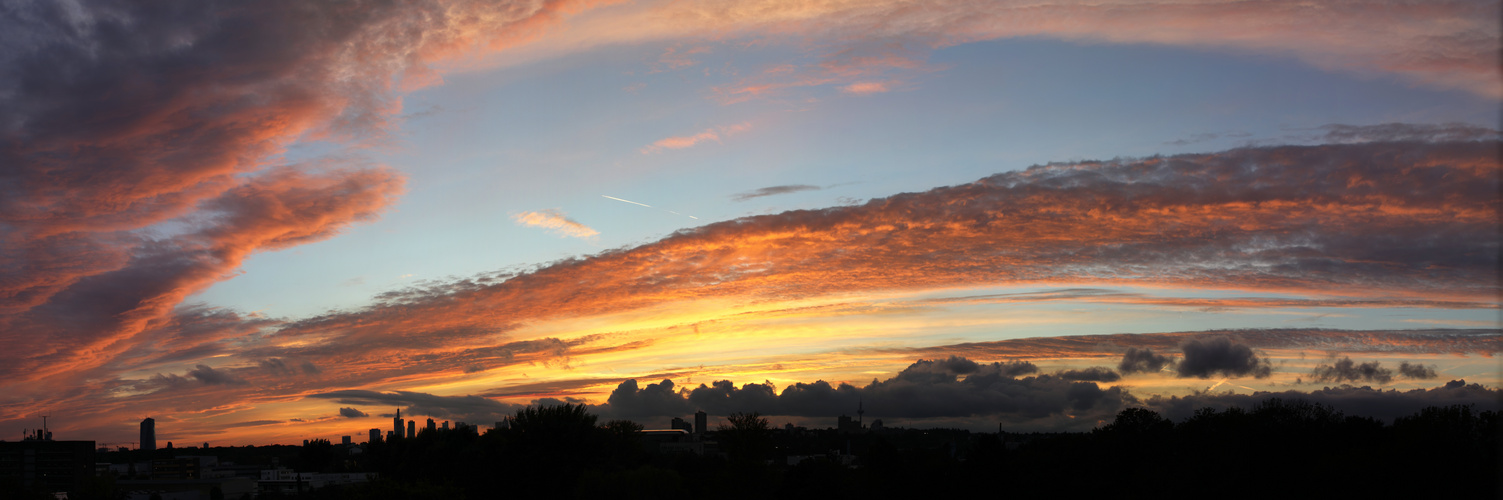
412	428
148	434
860	414
396	424
701	419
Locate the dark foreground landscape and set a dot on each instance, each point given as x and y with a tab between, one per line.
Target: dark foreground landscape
1277	448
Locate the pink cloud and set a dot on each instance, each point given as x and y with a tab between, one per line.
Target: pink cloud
864	88
682	142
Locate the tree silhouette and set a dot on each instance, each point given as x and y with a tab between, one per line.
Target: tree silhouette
554	420
1139	421
746	422
623	427
747	438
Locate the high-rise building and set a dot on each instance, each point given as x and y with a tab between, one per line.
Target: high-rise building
396	424
431	426
701	419
375	436
446	425
148	434
412	428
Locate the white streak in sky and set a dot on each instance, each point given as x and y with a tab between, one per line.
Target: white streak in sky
649	206
628	201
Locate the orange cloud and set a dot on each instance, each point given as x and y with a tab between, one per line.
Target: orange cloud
1264	219
1450	44
89	322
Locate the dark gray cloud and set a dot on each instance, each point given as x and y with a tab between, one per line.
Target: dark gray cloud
1346	370
275	365
1092	374
926	389
1218	356
773	190
1361	401
279	366
1143	360
210	376
1417	371
349	412
462	408
1487	341
629	401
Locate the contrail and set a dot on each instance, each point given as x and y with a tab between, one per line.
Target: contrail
649	206
628	201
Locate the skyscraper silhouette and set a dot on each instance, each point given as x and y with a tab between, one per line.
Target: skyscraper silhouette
148	434
396	423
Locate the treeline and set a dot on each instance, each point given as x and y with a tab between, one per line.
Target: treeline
1277	448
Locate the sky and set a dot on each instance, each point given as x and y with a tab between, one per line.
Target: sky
264	222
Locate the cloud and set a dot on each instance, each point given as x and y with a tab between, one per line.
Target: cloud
137	140
682	142
1092	374
462	408
773	190
865	88
1345	370
1143	360
1364	401
348	412
1384	220
1485	342
1447	45
1416	371
859	68
1288	220
1218	356
1389	132
1205	136
555	221
1369	223
1108	296
676	57
203	374
92	320
926	389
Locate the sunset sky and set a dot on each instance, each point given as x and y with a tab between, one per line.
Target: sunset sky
262	222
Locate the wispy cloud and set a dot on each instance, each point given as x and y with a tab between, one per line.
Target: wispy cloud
772	191
555	221
864	88
681	142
